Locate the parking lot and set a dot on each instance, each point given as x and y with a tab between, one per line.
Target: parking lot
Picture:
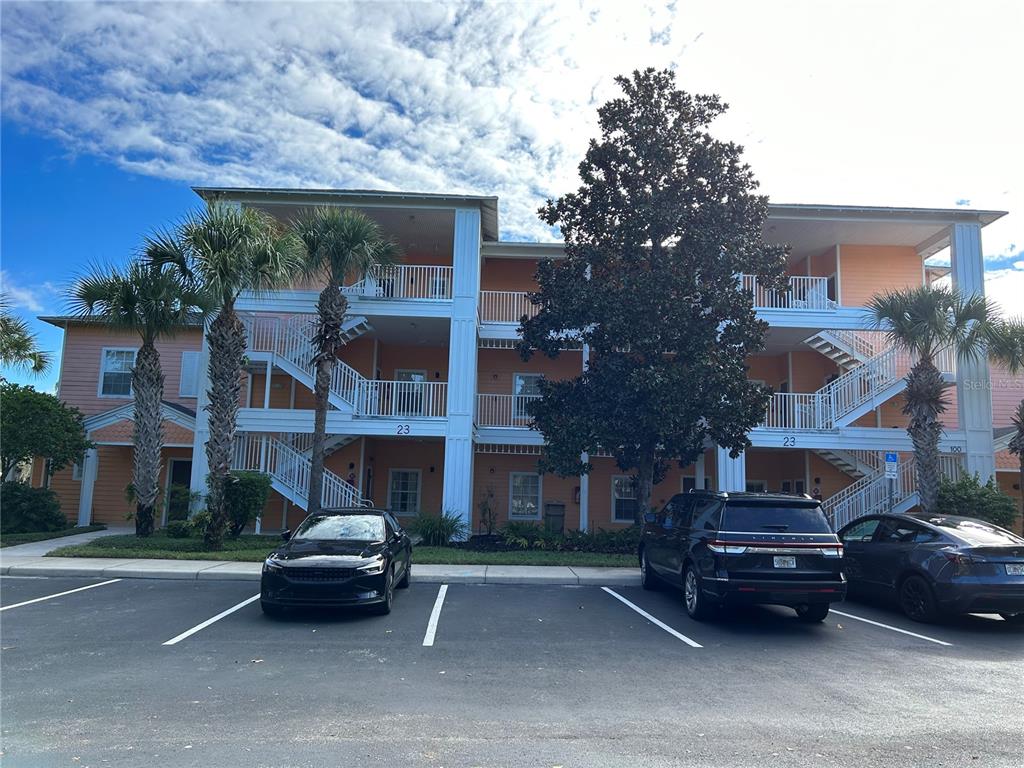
181	673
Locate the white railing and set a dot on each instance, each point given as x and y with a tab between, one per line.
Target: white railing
289	468
504	410
402	399
505	306
797	410
404	281
863	345
800	293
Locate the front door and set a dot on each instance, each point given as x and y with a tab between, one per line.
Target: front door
179	480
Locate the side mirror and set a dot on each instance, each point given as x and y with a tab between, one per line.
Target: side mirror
650	517
286	534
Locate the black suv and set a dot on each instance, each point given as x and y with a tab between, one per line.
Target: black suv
744	547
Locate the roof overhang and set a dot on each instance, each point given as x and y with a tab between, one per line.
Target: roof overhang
516	250
168	412
364	198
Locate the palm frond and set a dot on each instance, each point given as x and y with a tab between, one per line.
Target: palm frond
339	243
18	346
1006	344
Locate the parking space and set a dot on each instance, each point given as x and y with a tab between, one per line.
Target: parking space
95	661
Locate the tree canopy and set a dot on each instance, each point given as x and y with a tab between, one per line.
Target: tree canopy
37	424
665	219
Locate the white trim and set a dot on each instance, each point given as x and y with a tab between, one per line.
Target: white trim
194	393
613	517
839	275
103	366
167	485
76	471
540	496
419	491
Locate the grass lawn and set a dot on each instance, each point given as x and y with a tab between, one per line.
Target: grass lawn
12	539
256	548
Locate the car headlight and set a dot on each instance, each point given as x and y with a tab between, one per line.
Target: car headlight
374	566
270	565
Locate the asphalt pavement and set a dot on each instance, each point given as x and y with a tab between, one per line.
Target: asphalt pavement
127	672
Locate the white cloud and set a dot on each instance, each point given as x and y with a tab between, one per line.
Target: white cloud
500	98
1006	287
32	298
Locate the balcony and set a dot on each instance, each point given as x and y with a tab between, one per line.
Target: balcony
505	307
401	399
807	293
504	411
404	281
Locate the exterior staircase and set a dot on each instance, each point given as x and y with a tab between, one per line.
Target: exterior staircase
847	349
289	472
857	464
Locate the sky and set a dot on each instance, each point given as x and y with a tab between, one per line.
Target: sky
110	112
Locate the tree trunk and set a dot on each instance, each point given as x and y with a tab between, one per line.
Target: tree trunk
924	406
1017	448
644	483
148	437
331	309
226	339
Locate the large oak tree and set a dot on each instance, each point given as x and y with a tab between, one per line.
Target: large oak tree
665	219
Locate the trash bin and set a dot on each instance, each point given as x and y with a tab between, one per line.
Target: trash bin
554	517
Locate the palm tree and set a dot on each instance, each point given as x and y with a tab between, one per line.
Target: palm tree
17	343
227	250
337	243
924	322
1006	347
153	302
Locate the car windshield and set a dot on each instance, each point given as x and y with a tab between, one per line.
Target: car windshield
764	518
336	527
976	532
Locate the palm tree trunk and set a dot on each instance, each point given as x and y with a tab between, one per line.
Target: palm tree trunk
1017	447
331	309
924	405
226	339
148	388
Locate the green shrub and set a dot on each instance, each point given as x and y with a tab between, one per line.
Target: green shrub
438	530
200	521
29	510
245	495
179	529
179	501
520	535
968	497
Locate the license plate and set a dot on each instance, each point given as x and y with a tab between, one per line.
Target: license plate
1015	570
785	562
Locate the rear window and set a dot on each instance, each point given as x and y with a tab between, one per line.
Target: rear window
763	518
976	532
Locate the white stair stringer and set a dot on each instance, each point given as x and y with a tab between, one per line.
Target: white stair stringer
847	349
291	349
289	472
857	464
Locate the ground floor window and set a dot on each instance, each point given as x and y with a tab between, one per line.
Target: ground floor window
624	502
755	486
404	491
524	496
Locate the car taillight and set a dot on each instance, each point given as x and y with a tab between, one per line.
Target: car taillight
721	548
961	563
830	551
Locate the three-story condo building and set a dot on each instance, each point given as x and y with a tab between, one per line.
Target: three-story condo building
429	396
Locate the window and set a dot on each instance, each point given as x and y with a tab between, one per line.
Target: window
787	486
799	487
707	515
116	372
902	532
862	531
404	491
624	504
524	496
341	528
408	397
189	384
682	511
755	486
525	386
76	471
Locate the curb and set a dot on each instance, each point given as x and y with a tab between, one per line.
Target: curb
235	571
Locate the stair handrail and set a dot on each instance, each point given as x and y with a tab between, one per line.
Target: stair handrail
858	342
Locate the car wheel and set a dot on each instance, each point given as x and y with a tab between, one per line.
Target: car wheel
697	606
917	600
647	578
271	611
384	607
407	576
1013	618
812	613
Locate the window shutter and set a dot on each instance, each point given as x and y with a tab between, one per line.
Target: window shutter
189	385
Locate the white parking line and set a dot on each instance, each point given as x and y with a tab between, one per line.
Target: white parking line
208	622
435	614
894	629
59	594
656	622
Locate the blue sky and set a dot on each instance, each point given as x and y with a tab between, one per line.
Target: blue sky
111	111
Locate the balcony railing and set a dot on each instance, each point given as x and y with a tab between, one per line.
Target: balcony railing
505	306
402	399
801	293
405	281
504	410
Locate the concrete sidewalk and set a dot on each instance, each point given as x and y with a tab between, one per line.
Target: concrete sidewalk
221	570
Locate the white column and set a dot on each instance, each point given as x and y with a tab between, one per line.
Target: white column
732	473
90	467
462	366
200	467
699	472
973	382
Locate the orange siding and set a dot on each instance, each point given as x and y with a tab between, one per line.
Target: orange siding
433	360
496	368
508	275
122	432
491	474
867	270
383	455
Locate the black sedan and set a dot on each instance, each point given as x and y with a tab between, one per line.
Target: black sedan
338	557
935	564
